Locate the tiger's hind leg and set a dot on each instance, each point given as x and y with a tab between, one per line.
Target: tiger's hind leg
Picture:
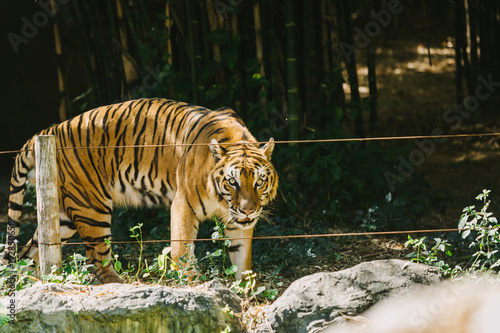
94	228
30	250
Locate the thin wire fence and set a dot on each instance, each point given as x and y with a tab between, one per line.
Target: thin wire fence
348	234
386	138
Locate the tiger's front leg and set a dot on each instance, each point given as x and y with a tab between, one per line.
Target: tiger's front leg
183	228
240	251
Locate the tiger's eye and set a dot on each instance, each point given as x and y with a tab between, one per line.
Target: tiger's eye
231	181
259	182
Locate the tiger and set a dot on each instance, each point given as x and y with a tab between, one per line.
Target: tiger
200	163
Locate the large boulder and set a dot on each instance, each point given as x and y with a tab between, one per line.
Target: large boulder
466	306
53	307
314	301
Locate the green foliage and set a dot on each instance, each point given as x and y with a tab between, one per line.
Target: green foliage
217	263
74	270
4	318
17	275
432	256
480	236
21	273
481	230
247	288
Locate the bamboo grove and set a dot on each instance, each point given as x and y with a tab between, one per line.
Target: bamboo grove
282	65
267	59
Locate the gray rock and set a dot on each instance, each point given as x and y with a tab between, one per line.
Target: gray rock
312	302
52	307
468	305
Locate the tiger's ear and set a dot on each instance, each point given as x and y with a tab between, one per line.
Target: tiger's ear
268	148
216	150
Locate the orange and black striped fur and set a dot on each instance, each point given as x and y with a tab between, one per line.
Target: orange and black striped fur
225	175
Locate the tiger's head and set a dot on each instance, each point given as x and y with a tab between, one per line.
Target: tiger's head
244	177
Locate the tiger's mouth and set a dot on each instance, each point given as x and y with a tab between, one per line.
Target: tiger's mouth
244	223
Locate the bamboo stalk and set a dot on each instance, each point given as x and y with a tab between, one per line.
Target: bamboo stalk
214	25
293	99
352	71
215	22
335	38
204	31
458	60
57	41
88	53
128	66
168	26
259	50
277	88
372	77
372	85
324	37
197	51
308	53
192	56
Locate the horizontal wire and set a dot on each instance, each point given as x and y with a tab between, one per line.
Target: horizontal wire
414	137
384	138
347	234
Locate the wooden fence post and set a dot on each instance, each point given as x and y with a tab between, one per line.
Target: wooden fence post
49	232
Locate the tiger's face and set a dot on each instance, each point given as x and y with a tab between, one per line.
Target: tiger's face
245	179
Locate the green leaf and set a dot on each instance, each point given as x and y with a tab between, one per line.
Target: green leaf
136	227
462	221
217	253
210	69
219	37
118	266
213	92
229	57
231	270
270	294
259	290
465	233
4	319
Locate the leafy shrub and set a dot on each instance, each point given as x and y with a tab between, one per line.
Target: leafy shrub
481	231
480	235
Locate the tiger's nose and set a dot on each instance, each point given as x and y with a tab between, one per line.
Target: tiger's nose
248	211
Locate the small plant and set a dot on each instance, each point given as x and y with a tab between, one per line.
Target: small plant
117	264
137	234
480	233
481	227
246	288
432	257
17	275
218	261
4	318
74	270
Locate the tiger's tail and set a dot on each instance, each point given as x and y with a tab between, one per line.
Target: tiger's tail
23	165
